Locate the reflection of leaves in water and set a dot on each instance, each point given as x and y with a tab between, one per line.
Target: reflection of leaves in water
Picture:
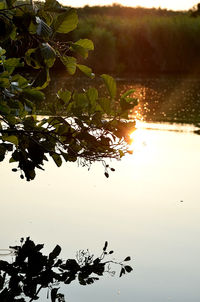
167	98
31	271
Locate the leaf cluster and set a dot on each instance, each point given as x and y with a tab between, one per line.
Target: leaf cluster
32	271
81	126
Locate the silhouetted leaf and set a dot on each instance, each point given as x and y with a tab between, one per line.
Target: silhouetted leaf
56	251
105	246
122	272
127	258
54	294
128	268
106	174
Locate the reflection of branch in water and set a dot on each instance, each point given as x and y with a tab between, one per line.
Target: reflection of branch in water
7	252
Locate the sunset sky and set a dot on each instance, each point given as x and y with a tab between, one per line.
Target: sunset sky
169	4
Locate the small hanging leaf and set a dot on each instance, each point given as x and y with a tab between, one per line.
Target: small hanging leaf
105	246
127	258
106	174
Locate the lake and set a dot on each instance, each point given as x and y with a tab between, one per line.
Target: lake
148	208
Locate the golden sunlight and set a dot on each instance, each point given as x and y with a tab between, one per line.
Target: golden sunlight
141	145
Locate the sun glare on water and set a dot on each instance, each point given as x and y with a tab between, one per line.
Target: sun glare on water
141	145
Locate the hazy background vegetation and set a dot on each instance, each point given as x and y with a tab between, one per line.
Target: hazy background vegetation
140	40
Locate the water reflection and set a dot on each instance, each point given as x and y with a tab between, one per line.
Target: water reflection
138	210
161	99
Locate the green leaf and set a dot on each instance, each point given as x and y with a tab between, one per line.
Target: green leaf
92	94
80	100
33	58
105	104
128	103
85	43
2	4
2	51
33	95
52	5
82	47
57	159
110	85
86	70
22	82
70	64
4	79
4	108
32	28
66	22
65	96
42	80
127	93
80	50
48	54
11	64
13	34
10	138
10	3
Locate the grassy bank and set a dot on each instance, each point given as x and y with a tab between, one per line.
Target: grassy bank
156	42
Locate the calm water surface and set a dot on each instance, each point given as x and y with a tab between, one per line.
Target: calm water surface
138	210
